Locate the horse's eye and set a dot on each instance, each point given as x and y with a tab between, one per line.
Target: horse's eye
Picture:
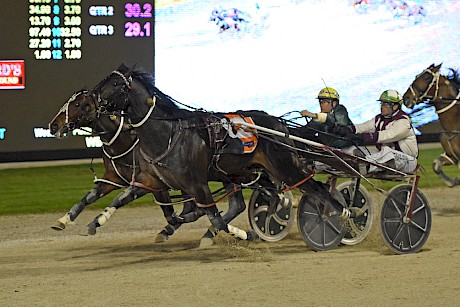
77	104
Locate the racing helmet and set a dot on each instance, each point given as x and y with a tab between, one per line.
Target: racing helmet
391	96
329	93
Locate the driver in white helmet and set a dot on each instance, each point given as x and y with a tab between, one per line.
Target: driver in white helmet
391	132
332	115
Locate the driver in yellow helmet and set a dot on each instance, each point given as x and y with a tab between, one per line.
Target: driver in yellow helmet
332	115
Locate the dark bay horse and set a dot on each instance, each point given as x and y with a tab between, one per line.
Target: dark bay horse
443	92
181	146
120	155
120	152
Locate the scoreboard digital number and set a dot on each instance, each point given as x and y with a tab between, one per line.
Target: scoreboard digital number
60	47
55	31
135	10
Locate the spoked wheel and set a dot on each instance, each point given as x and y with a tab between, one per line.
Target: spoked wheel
359	227
401	234
270	214
319	224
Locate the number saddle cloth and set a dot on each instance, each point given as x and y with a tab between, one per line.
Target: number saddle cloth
238	139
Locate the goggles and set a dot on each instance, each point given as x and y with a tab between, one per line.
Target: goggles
386	104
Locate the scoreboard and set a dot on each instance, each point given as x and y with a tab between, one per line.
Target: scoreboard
50	49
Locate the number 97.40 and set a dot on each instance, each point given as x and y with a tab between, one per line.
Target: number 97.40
135	29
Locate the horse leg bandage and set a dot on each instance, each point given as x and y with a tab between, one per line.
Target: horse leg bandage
105	215
65	219
238	232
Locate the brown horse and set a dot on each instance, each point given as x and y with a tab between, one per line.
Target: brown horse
443	92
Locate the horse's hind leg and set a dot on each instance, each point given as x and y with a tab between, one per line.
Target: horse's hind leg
437	168
127	196
100	190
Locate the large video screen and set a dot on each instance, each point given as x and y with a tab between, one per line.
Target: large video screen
272	55
49	49
276	55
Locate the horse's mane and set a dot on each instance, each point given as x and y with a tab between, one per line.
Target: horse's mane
168	103
454	77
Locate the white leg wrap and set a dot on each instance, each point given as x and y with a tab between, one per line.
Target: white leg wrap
105	215
65	219
238	232
284	201
345	214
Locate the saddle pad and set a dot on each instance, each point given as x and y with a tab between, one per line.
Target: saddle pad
248	136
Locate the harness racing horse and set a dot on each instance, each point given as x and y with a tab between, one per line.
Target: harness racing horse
443	92
181	147
120	141
119	152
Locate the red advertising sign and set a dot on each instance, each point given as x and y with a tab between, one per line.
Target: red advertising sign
12	74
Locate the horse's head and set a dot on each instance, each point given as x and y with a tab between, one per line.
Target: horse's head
112	92
425	86
80	110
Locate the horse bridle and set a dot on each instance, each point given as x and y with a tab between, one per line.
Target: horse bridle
453	134
71	125
124	92
423	95
107	103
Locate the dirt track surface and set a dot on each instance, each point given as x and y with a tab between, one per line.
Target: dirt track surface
121	266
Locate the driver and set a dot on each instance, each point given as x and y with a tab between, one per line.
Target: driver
332	115
391	132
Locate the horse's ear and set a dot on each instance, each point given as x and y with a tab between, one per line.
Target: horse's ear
436	68
122	68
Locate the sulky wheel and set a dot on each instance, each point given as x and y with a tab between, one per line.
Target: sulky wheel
270	214
320	229
401	234
358	227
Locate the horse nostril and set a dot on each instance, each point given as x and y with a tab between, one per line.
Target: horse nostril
406	101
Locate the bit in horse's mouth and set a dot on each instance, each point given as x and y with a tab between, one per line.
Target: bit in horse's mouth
62	133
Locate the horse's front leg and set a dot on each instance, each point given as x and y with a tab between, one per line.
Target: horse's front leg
128	195
236	206
100	190
205	200
173	220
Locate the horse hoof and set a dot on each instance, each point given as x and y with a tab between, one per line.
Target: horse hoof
91	231
450	184
58	226
253	236
161	238
206	242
